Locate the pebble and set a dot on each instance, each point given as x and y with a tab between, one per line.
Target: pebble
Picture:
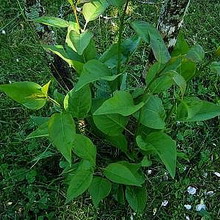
149	172
217	174
201	206
191	190
210	193
188	207
164	203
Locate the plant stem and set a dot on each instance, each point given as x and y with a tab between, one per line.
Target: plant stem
53	101
121	28
75	11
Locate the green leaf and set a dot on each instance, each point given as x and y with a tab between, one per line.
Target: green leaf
180	82
121	103
152	72
141	28
119	193
80	41
29	94
152	114
72	27
60	51
187	69
41	131
217	52
79	183
110	124
161	83
110	56
196	53
117	3
193	109
215	67
119	141
38	120
163	146
136	197
94	70
90	52
181	46
146	162
99	189
59	97
78	103
123	174
94	9
166	80
84	148
158	69
52	21
62	133
151	35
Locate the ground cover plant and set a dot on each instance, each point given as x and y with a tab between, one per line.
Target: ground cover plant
105	116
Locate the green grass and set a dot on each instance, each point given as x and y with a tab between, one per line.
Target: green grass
35	190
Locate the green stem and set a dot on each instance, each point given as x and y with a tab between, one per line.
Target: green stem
53	101
75	11
121	28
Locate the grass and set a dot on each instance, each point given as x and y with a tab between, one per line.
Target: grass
35	190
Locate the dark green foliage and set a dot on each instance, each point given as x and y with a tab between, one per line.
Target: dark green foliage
118	110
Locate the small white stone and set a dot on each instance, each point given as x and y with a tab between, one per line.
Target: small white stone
154	211
188	207
149	172
201	206
187	217
217	174
210	193
17	60
131	217
191	190
164	203
3	32
9	203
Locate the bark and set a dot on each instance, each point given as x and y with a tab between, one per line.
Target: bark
171	20
169	24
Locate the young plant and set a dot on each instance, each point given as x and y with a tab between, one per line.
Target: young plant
101	111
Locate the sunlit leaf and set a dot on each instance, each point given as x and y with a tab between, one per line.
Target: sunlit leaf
121	103
52	21
94	9
29	94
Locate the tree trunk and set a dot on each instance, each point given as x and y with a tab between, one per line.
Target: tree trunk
171	19
169	23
